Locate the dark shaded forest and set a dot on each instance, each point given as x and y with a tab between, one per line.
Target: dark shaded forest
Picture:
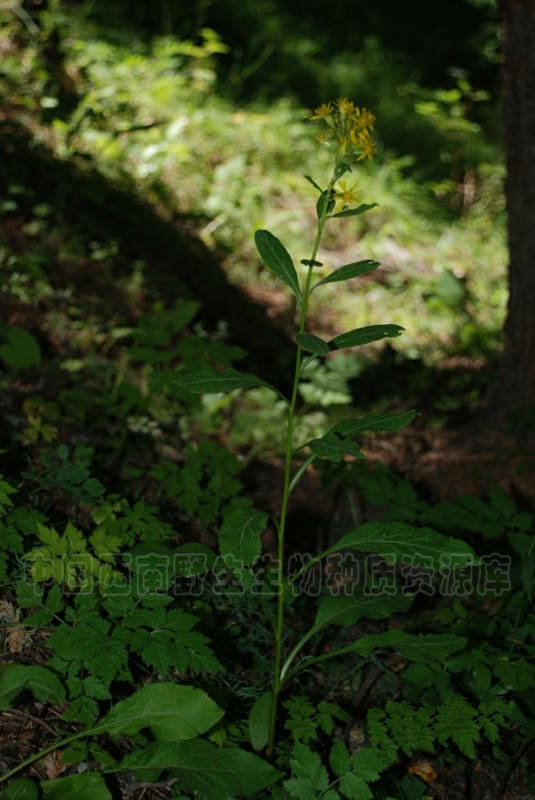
267	397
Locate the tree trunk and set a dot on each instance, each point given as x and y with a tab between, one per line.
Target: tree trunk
517	384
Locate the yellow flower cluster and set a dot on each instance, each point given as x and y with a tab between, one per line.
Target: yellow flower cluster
349	126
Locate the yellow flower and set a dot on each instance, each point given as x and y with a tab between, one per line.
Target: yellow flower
345	106
363	118
344	195
367	145
349	127
322	112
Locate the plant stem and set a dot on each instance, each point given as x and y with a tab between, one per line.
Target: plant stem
287	482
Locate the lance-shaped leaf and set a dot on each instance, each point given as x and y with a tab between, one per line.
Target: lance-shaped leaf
424	646
338	609
313	344
205	769
348	271
373	422
399	542
359	336
171	711
353	212
259	721
239	535
277	258
209	381
334	447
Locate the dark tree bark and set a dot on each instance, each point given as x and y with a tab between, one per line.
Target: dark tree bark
517	384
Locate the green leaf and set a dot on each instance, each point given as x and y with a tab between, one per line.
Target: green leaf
333	447
348	271
397	541
374	423
313	182
313	344
353	212
88	786
346	610
277	258
210	381
259	721
423	647
15	678
23	789
239	535
202	767
172	712
455	721
339	759
21	349
360	336
311	777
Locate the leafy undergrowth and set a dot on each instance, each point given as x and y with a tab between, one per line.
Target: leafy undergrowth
137	558
136	658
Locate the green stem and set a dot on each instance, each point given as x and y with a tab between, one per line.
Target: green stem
288	484
46	751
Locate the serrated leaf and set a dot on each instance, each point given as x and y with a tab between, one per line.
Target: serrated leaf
278	260
210	381
346	610
313	344
259	721
239	536
172	712
339	759
88	786
421	647
353	212
365	335
204	768
334	448
42	682
455	721
397	541
353	270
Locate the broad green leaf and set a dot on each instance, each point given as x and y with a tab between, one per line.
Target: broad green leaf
202	767
360	336
346	610
21	349
352	212
210	381
348	271
397	541
334	447
374	422
172	712
423	647
313	344
23	789
239	535
42	682
277	258
259	721
88	786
